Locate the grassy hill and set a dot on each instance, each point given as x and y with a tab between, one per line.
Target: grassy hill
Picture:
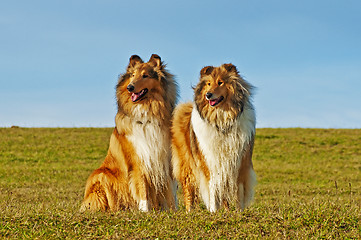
309	186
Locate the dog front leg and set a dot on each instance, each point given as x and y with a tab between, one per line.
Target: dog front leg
212	196
143	193
188	193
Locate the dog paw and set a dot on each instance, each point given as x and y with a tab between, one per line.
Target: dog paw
143	206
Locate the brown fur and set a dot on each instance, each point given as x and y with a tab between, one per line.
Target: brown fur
234	89
190	166
124	180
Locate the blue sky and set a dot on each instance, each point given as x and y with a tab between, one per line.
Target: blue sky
59	60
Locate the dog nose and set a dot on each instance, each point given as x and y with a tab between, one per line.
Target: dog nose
130	88
208	95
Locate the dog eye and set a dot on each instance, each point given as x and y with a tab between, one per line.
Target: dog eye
208	83
220	83
133	75
145	75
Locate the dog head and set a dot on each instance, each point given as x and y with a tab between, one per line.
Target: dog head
147	84
144	80
221	91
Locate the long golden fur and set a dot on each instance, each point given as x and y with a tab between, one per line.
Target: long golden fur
136	172
212	140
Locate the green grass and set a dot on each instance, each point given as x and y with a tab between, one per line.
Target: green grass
309	186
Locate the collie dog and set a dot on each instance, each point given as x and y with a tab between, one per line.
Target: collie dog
212	140
137	171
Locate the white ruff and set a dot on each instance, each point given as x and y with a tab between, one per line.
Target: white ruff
152	146
223	155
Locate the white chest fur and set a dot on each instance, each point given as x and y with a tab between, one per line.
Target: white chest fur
152	146
223	155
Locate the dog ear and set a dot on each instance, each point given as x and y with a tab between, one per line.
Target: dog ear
134	60
206	70
230	67
155	60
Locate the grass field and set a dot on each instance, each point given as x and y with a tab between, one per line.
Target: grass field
309	186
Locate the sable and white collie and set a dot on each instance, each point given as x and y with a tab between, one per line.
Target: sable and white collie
136	172
212	140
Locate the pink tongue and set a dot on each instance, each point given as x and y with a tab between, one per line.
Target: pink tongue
213	102
135	96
